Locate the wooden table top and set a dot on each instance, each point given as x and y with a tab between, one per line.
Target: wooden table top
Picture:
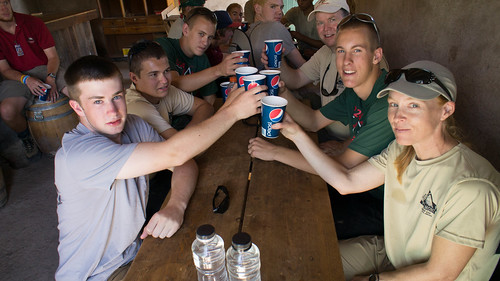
287	212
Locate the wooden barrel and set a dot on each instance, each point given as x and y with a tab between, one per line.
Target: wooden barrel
49	121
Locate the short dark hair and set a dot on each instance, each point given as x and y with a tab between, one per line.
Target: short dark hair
141	51
197	12
89	68
354	23
232	6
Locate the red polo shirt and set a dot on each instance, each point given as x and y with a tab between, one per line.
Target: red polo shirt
32	36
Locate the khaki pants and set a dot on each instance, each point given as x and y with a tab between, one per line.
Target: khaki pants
364	255
120	273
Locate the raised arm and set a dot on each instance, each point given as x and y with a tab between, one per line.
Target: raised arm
360	178
184	145
194	81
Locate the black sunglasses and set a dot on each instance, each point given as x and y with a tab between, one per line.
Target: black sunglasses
417	76
363	18
219	203
335	90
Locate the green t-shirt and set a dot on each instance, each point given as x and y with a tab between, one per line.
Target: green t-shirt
184	65
368	124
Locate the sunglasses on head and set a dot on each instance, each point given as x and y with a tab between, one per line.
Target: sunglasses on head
220	203
200	11
363	18
335	90
417	76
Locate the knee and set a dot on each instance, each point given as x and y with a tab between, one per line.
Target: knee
11	109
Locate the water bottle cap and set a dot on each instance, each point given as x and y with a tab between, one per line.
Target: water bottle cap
242	241
205	231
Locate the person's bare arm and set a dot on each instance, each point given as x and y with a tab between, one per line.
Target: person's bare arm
294	78
52	67
201	110
184	145
34	84
195	81
308	40
310	119
360	178
168	220
295	58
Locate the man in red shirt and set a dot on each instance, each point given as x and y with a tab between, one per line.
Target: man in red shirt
28	59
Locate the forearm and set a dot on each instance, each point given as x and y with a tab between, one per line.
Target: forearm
300	112
53	65
296	58
293	158
202	113
184	179
195	81
293	78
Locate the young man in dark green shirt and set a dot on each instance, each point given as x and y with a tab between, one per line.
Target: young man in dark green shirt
358	54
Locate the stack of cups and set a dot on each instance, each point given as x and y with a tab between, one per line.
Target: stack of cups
273	110
244	71
252	81
272	81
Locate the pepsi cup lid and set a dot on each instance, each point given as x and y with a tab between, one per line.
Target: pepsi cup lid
254	77
270	72
246	70
274	101
242	51
273	41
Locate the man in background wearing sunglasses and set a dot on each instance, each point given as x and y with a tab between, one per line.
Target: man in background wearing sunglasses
191	68
358	55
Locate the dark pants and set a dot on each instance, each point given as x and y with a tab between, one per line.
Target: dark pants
159	186
357	214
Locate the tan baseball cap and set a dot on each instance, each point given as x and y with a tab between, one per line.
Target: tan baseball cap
328	6
425	91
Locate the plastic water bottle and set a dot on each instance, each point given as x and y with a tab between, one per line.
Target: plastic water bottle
209	254
243	259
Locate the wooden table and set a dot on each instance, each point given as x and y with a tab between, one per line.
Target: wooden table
286	211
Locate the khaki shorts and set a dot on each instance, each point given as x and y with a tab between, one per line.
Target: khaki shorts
364	255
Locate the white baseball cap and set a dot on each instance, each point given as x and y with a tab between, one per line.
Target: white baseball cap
328	6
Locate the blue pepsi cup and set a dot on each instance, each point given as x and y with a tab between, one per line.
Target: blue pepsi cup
252	81
272	81
224	90
273	110
244	27
244	71
46	91
244	54
274	48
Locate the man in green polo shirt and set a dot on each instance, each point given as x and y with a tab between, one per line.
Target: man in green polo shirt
358	54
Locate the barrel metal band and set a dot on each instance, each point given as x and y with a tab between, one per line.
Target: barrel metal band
40	118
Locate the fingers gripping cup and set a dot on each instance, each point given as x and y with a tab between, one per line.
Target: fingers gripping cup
46	91
252	81
244	54
272	81
244	71
273	110
274	48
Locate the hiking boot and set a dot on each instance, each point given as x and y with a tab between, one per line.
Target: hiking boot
30	148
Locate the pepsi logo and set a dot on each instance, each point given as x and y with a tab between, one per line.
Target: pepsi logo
276	114
278	47
275	81
226	92
252	85
240	81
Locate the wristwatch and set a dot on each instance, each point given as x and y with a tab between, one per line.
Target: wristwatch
52	75
373	277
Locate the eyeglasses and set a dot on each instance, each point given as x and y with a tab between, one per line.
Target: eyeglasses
219	203
363	18
202	11
335	90
417	76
